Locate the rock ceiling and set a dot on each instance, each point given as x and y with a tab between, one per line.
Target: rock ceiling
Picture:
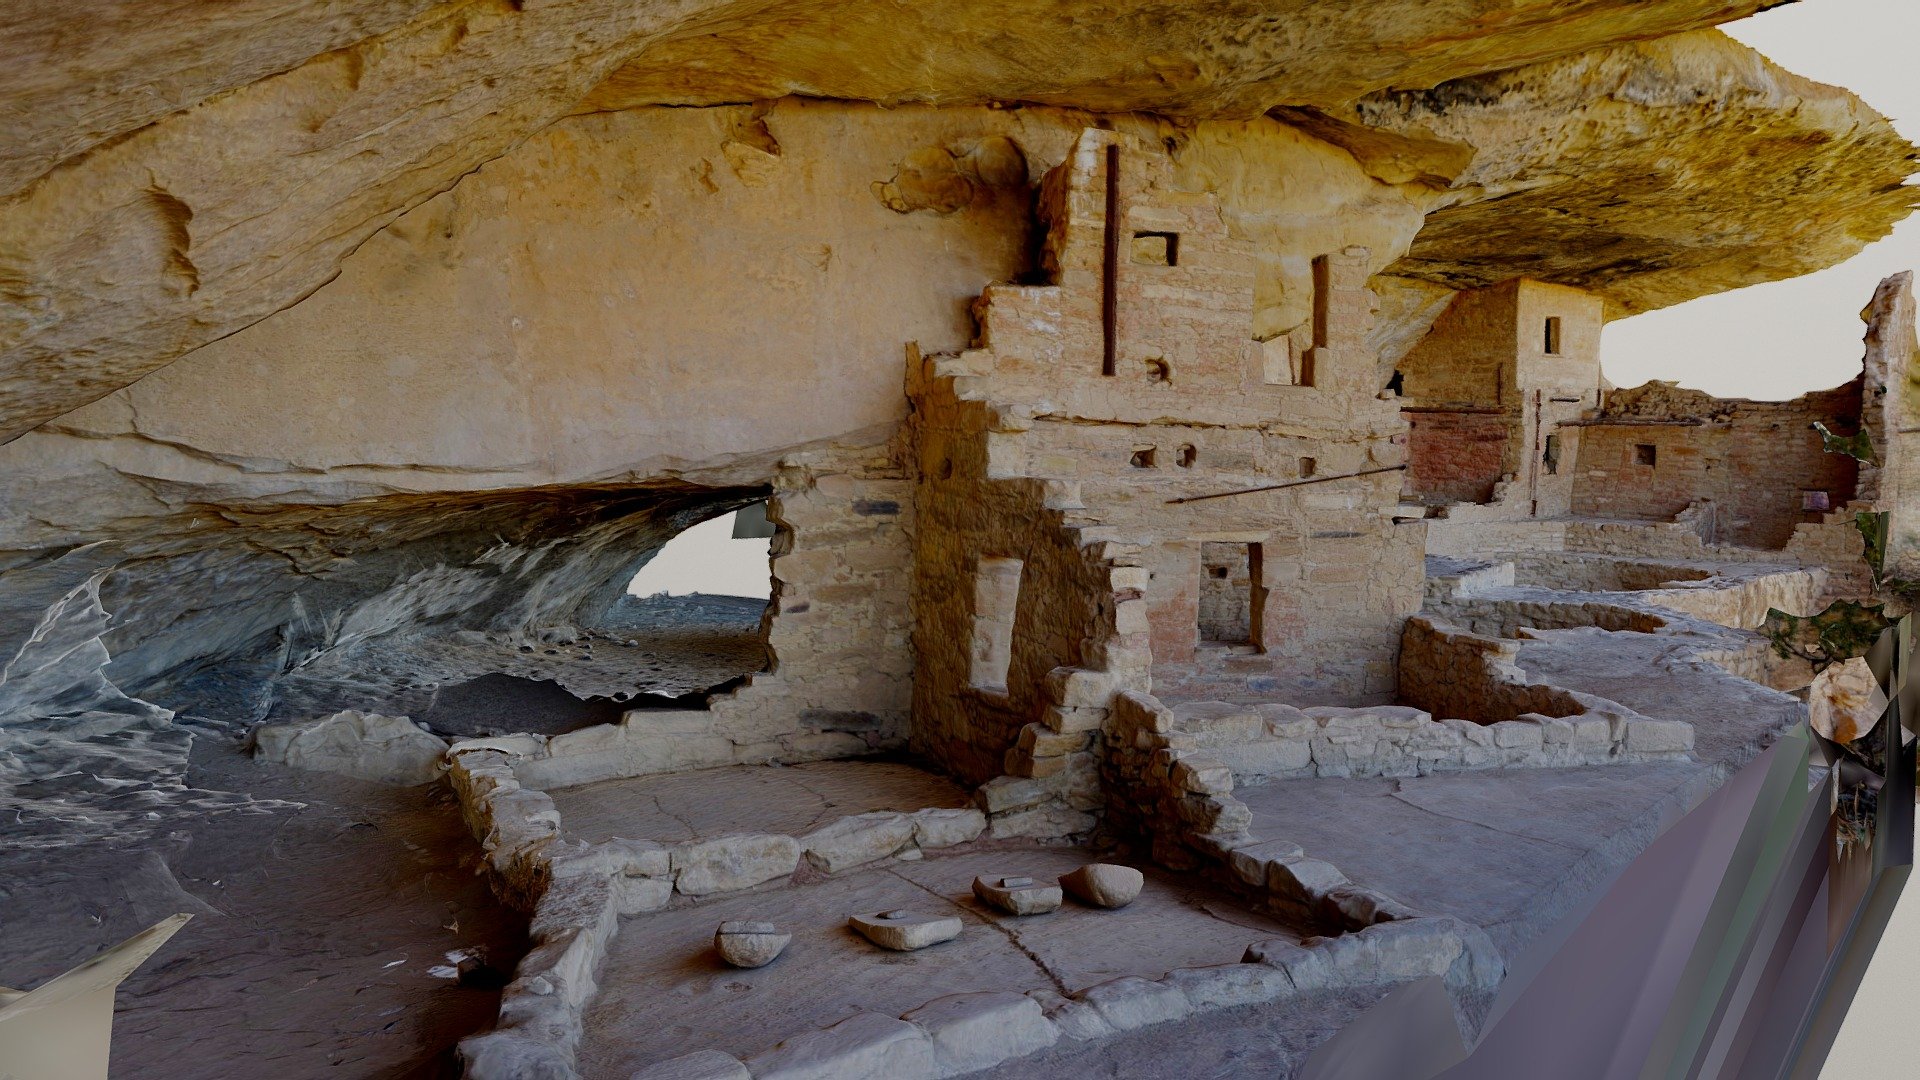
176	170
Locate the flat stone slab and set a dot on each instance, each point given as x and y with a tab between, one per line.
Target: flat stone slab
699	1065
1508	850
664	991
365	746
734	862
906	931
1733	720
794	800
1016	895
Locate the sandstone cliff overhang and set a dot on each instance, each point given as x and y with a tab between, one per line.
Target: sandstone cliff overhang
1650	173
175	176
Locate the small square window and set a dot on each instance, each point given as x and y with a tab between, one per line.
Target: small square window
1156	248
1645	454
1142	458
1307	467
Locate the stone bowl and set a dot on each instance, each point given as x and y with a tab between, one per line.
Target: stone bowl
905	931
1016	895
749	944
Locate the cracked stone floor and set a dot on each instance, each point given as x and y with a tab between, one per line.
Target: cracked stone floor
792	799
1511	851
1254	1042
663	992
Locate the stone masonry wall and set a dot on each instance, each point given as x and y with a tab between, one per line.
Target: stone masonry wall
840	679
1890	411
1028	448
1833	543
1752	459
1503	370
1451	672
1063	614
1455	456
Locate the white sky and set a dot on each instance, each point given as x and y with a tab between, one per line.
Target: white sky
707	559
1788	337
1785	338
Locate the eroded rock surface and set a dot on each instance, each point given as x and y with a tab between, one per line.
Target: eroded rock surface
140	247
365	746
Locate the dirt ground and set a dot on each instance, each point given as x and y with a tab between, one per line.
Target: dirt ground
315	926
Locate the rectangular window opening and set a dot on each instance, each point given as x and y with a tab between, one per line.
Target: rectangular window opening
996	600
1551	459
1231	596
1308	467
1645	454
1553	335
1156	248
1143	458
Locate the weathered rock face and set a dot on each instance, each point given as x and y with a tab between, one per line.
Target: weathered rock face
623	295
141	245
366	746
201	583
614	304
465	327
1661	170
1206	59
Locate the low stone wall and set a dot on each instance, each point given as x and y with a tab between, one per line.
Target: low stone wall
1449	671
1051	788
966	1033
1712	618
650	741
578	892
575	914
1833	543
1277	742
1580	589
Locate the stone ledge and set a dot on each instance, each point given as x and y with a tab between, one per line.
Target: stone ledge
1268	742
966	1033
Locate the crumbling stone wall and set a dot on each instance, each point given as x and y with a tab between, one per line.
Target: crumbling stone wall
841	672
1889	414
1654	451
839	680
1063	615
1087	409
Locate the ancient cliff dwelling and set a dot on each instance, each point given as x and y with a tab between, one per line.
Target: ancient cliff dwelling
1177	437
